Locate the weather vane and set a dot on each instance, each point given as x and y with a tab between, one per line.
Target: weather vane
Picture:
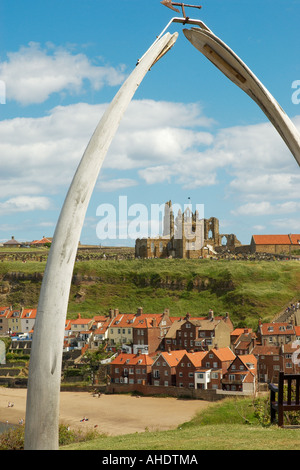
169	4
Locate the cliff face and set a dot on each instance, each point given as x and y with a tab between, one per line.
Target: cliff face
19	288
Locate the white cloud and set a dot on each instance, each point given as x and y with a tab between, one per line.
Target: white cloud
161	142
41	154
266	208
24	204
291	225
33	73
115	184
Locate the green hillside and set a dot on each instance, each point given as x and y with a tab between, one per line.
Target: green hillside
248	290
232	424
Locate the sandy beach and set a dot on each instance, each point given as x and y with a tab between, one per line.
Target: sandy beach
110	414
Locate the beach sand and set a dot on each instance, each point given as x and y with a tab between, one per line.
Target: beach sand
110	414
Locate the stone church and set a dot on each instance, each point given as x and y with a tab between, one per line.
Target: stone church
185	236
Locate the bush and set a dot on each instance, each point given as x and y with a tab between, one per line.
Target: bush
13	439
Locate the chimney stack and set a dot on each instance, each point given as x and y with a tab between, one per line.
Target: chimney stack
139	311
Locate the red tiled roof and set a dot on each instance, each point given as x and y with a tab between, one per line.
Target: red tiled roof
173	357
224	354
280	328
4	310
295	239
29	313
132	359
240	331
266	350
196	357
81	321
277	239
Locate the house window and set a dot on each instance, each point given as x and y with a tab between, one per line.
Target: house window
166	383
214	375
180	374
231	377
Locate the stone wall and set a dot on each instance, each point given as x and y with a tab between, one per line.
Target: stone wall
177	392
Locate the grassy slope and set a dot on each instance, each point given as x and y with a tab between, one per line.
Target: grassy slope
248	290
220	427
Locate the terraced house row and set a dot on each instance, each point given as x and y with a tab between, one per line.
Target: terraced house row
217	369
146	336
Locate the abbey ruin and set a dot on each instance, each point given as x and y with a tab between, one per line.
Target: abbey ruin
185	236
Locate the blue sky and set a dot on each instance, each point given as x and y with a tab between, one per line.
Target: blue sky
190	135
